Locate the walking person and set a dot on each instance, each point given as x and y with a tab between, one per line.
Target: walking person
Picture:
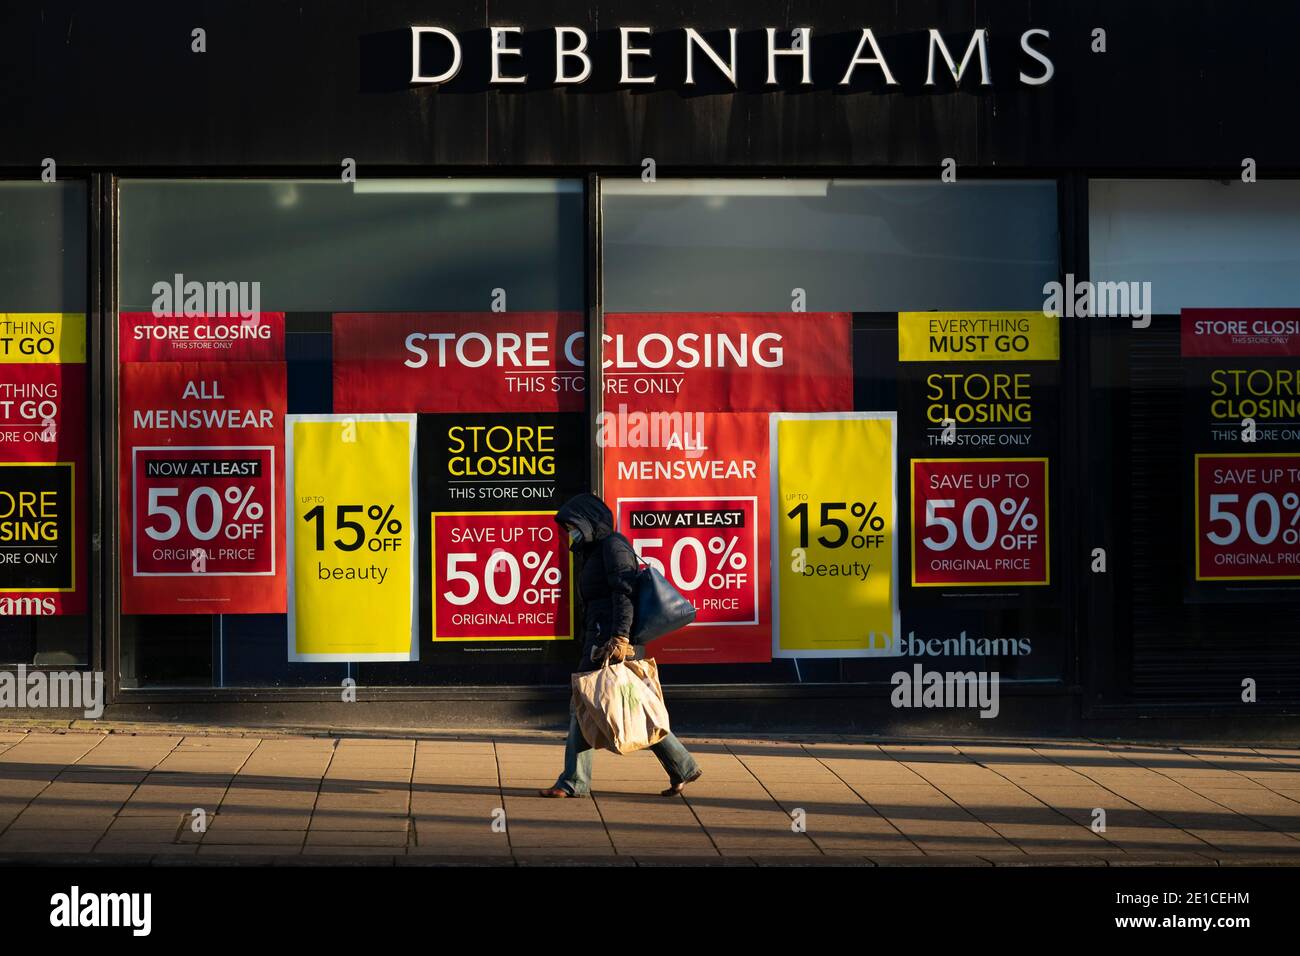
606	583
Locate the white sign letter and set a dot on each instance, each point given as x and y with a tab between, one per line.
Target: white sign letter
1049	69
978	39
628	51
693	40
416	75
877	59
499	49
803	50
579	51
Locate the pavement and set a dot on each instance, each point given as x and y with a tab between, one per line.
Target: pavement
129	795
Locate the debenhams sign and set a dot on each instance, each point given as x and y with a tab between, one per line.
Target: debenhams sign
573	59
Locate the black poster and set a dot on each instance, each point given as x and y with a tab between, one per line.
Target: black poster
489	485
1241	467
978	441
36	524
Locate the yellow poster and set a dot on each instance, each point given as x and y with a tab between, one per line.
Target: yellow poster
978	337
834	547
351	537
41	338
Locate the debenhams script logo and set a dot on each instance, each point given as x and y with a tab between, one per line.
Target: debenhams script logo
437	55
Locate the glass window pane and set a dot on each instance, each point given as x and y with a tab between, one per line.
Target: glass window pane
858	318
353	281
44	406
378	245
1200	244
853	245
1198	439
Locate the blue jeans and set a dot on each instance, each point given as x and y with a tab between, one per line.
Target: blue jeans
576	777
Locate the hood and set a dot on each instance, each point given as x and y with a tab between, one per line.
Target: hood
589	515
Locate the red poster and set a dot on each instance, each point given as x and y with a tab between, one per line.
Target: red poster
1247	517
1224	333
458	362
42	412
500	577
145	337
729	362
695	504
202	479
979	522
43	489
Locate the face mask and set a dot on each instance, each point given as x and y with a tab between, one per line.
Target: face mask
575	536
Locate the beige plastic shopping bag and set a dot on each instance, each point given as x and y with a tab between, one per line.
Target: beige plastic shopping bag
620	707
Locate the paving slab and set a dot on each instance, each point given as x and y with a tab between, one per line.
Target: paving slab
383	799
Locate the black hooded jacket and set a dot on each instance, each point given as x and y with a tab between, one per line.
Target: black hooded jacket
607	578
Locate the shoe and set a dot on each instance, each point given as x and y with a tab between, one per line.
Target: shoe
681	785
558	792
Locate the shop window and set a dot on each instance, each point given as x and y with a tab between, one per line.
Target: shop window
347	413
45	586
1196	439
831	413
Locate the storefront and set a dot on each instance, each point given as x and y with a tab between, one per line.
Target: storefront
907	342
